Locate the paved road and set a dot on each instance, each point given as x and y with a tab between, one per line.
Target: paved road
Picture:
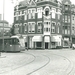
38	62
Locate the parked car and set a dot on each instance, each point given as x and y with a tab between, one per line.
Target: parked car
73	46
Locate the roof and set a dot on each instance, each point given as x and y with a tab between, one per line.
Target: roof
1	21
66	1
25	2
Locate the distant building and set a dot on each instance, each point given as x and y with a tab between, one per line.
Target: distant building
73	23
66	22
6	27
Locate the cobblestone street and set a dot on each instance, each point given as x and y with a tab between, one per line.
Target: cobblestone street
38	62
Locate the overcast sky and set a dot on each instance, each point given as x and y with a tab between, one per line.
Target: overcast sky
9	9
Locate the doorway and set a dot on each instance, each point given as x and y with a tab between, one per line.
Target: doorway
46	45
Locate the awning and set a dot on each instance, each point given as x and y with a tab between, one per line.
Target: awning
37	38
47	39
66	39
55	39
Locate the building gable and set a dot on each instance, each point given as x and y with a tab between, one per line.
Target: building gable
67	2
32	2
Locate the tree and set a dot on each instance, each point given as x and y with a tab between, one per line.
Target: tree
12	30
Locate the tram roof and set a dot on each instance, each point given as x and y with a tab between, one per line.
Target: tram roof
8	37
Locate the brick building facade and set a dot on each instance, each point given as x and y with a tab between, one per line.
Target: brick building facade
44	23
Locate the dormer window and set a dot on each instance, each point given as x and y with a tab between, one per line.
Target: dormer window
46	11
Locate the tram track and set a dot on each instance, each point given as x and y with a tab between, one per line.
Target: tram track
70	66
67	71
41	66
29	73
23	64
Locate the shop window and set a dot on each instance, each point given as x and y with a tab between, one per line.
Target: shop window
38	44
65	43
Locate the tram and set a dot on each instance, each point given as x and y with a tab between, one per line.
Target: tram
11	44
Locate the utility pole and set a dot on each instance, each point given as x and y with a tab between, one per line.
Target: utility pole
3	24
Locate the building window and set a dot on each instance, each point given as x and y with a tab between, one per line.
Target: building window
58	16
63	18
73	29
73	17
66	7
33	13
59	12
29	14
20	17
25	15
53	28
39	10
31	27
66	18
58	28
20	12
53	13
16	29
69	19
20	28
63	29
17	18
47	26
25	28
39	27
66	28
46	11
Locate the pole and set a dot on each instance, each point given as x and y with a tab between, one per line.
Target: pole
3	22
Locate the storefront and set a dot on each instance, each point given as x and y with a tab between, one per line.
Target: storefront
56	41
66	42
37	42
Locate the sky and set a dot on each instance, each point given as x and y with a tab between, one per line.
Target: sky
9	9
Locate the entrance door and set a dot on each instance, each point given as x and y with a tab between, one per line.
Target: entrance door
46	45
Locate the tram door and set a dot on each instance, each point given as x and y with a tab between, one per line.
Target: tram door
46	45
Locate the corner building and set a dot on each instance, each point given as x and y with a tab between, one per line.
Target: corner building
39	21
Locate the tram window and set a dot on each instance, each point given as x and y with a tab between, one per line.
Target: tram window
15	41
0	42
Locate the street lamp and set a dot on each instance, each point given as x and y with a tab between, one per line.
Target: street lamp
3	23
